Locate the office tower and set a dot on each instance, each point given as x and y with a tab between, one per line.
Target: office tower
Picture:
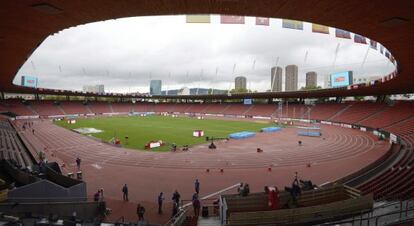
155	87
311	79
276	78
291	78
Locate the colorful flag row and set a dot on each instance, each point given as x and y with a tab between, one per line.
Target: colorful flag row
293	24
226	19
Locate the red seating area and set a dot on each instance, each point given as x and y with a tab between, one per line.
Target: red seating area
74	107
397	182
236	109
358	112
122	107
294	111
195	108
265	110
389	182
366	114
163	107
46	108
400	111
16	107
326	111
182	107
10	146
99	107
143	107
216	108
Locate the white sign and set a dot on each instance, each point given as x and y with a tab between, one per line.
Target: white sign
393	138
155	144
198	133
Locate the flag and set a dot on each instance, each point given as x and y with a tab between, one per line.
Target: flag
227	19
360	39
262	21
317	28
392	59
198	19
373	44
292	24
339	33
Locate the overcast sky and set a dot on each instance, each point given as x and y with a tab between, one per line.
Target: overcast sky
124	54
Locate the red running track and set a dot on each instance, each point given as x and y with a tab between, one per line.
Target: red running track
337	153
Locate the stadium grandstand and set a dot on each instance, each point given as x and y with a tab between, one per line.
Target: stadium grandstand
340	155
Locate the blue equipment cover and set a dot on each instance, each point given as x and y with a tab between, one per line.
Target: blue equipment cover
242	135
270	129
309	133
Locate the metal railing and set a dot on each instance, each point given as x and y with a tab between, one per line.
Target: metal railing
179	218
405	212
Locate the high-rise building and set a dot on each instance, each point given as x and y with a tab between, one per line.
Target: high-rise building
327	81
155	87
240	82
311	79
97	89
291	78
276	79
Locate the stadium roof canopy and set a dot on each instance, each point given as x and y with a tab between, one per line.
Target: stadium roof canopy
24	24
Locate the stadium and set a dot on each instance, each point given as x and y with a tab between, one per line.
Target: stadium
337	155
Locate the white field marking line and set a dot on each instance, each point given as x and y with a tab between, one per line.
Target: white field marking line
96	166
214	194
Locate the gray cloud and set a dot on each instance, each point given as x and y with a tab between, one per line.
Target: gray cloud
124	54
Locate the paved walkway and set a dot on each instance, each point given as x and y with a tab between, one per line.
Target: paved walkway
210	221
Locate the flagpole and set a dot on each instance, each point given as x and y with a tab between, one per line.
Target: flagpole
234	69
169	78
216	78
364	60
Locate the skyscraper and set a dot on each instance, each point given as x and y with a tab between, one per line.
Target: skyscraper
240	82
155	87
311	79
291	78
276	79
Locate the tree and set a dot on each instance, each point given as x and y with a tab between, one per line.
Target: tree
359	98
310	88
240	90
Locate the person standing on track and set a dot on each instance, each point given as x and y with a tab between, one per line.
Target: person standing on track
78	162
176	197
140	212
196	205
197	186
125	192
160	200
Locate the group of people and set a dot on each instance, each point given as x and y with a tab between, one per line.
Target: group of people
195	200
28	125
98	197
243	189
174	147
